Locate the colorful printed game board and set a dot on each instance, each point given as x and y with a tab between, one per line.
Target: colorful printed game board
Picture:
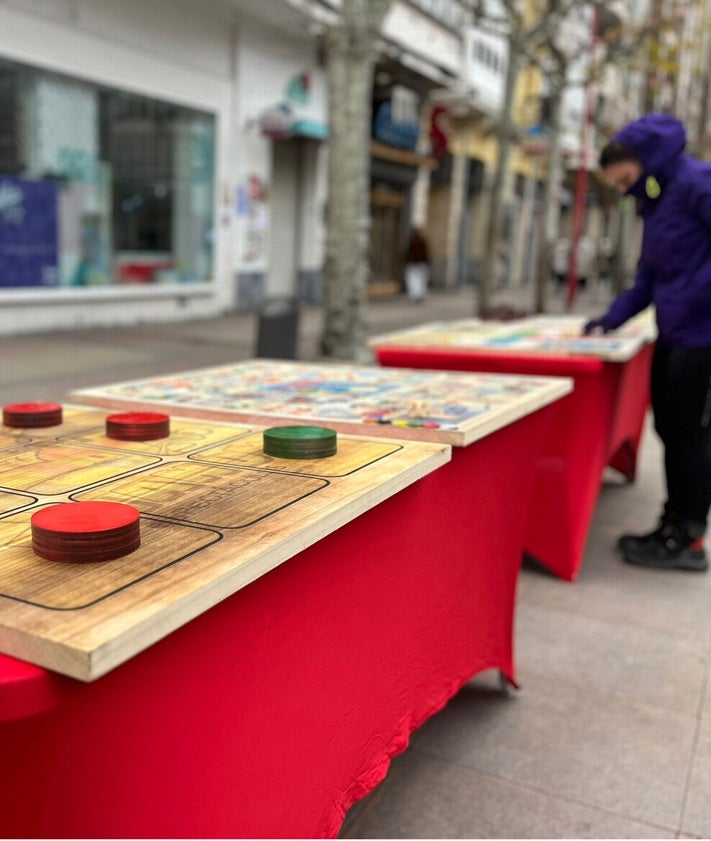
413	405
216	513
555	335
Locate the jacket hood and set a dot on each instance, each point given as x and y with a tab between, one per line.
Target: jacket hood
657	140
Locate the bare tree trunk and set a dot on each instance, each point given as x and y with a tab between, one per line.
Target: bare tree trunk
619	262
527	43
549	220
496	210
351	55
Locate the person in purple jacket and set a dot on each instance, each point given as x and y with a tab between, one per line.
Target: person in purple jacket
646	159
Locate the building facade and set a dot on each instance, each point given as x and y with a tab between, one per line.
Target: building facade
113	153
167	159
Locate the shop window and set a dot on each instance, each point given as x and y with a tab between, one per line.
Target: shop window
99	186
488	57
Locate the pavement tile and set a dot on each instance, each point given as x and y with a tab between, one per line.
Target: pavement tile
667	601
706	697
697	815
424	797
630	759
617	660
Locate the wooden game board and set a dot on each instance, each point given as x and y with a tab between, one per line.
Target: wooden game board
216	513
452	408
553	335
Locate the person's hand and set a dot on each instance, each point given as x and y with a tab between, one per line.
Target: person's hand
597	325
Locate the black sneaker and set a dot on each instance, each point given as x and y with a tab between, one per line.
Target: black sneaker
670	548
638	542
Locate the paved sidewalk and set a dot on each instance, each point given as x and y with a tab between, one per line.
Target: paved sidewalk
610	733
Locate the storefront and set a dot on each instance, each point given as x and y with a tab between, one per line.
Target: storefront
155	173
401	161
109	170
280	166
101	187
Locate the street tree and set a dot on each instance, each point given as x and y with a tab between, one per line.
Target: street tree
525	27
531	28
557	58
350	46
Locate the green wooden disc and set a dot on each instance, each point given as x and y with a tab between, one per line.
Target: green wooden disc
300	442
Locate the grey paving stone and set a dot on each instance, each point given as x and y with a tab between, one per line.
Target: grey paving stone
706	697
610	754
697	815
618	660
671	602
429	798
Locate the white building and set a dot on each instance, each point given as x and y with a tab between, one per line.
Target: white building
114	162
165	159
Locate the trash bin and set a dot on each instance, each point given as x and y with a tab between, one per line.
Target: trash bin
278	331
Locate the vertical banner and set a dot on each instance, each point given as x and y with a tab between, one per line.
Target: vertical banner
28	233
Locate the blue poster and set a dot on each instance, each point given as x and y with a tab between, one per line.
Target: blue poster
28	233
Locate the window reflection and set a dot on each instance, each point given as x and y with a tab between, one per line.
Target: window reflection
99	186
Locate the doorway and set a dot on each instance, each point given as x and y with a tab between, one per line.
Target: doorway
386	261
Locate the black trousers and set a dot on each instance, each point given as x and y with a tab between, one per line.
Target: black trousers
681	401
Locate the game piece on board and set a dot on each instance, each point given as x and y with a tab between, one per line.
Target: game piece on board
300	442
138	426
419	408
85	532
32	415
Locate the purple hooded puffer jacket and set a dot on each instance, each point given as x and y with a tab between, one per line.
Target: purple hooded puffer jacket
674	271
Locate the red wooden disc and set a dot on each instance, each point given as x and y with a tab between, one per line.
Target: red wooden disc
76	517
81	532
32	415
137	426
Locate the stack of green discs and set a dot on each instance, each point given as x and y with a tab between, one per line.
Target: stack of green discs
300	442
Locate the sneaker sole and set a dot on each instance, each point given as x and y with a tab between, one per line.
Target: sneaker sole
688	563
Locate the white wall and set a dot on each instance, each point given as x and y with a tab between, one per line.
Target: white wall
313	209
266	63
188	33
420	34
577	36
484	67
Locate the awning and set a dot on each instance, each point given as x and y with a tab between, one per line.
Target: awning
281	123
401	156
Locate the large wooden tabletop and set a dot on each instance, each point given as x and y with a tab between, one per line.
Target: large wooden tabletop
544	335
451	408
216	514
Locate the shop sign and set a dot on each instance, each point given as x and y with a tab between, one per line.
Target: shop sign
387	130
288	118
28	233
439	131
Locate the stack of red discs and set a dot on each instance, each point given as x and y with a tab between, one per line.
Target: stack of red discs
138	426
32	415
85	532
